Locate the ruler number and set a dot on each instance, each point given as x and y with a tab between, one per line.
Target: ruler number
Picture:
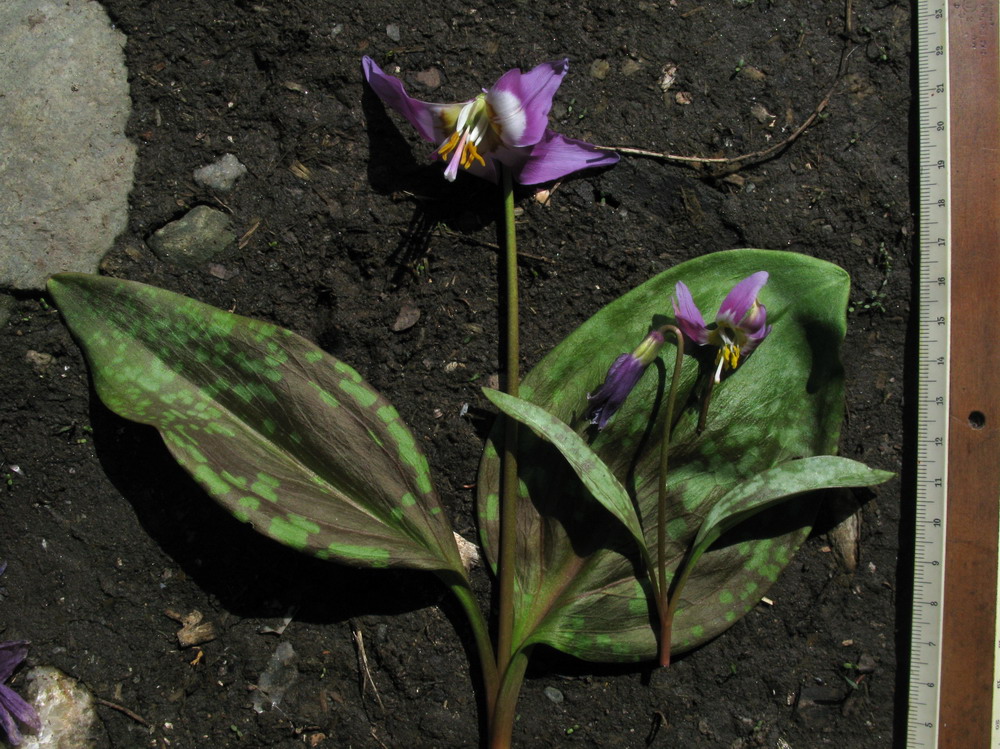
940	126
940	164
939	12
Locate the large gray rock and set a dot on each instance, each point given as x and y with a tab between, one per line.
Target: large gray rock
65	164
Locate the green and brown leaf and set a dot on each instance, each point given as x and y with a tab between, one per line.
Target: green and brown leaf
283	435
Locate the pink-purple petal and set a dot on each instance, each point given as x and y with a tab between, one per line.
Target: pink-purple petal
7	722
759	332
555	156
622	377
689	317
739	301
521	102
11	703
11	655
424	116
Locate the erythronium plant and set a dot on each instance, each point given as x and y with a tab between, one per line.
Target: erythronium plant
294	442
592	533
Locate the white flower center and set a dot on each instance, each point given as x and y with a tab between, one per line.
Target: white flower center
461	147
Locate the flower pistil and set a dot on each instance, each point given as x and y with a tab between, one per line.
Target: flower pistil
470	128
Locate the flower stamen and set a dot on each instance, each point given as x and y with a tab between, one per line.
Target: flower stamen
461	147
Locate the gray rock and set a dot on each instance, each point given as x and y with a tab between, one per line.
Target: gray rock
65	164
195	239
553	694
66	709
220	175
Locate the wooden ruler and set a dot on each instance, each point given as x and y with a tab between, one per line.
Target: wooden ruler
955	653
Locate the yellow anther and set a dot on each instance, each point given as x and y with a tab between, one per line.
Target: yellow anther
470	155
449	145
731	354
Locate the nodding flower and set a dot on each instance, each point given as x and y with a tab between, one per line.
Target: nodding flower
621	378
739	327
506	123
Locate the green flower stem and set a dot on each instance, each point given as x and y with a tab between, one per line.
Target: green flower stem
502	729
481	633
666	615
508	496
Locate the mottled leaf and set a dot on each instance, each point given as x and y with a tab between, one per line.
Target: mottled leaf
283	435
592	471
779	484
581	586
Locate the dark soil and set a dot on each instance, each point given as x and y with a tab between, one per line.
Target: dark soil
104	534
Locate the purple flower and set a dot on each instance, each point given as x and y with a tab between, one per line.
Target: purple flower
739	327
507	123
621	378
13	709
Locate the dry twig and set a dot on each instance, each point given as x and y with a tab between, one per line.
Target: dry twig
732	163
366	675
728	165
124	710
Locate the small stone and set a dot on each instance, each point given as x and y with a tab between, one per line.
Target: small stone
392	31
406	319
221	271
553	694
754	74
667	77
197	237
866	664
599	69
221	174
66	709
39	362
430	79
631	67
683	97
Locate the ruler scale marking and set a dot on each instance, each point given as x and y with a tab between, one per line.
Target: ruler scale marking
954	664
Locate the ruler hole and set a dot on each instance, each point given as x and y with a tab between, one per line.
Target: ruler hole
977	419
